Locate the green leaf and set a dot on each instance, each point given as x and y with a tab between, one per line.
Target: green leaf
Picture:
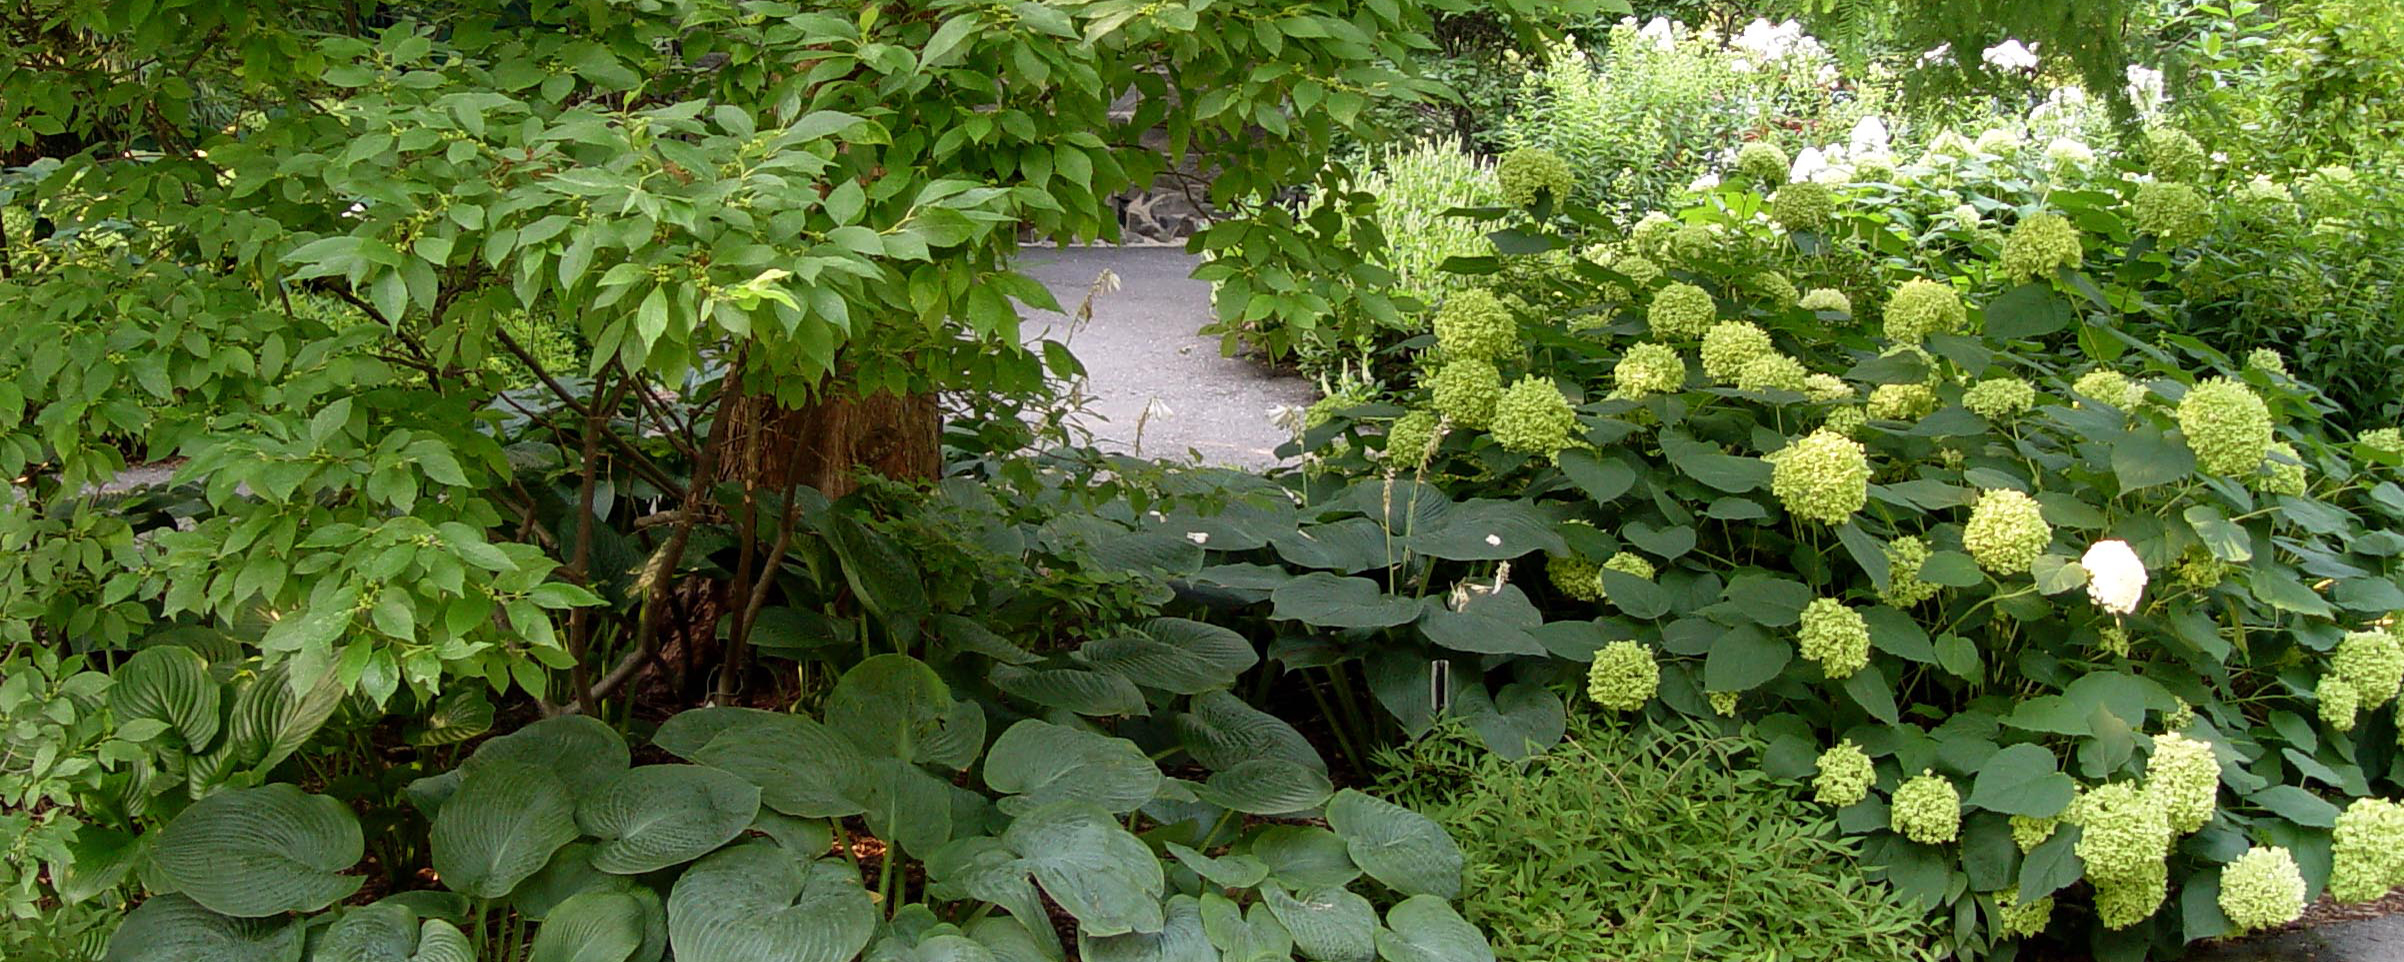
390	932
1487	530
2027	311
172	928
270	721
1304	856
1330	601
1898	634
1951	569
754	903
661	815
801	768
2296	805
1090	693
1045	763
2144	459
1099	873
502	826
169	684
591	927
1870	689
1267	786
1407	851
889	705
1180	939
1493	623
1221	731
1328	925
258	852
1601	479
1234	870
1424	928
583	751
2052	866
1745	658
2022	780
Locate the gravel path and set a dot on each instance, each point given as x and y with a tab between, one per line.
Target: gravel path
1140	351
2355	940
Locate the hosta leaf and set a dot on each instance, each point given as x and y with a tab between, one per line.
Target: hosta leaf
584	752
981	867
1090	693
1157	664
459	713
390	932
1305	856
1488	530
956	738
659	815
889	705
968	636
503	826
1047	763
1329	601
802	769
569	873
172	928
1267	786
1402	848
1102	875
1350	546
1221	731
264	851
1180	939
592	927
1241	936
1234	870
907	805
754	903
1328	925
1424	928
171	685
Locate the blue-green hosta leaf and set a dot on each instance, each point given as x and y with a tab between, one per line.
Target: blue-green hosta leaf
754	903
569	873
1328	925
1241	936
1158	665
504	824
1304	856
981	867
1267	786
1102	875
888	705
802	768
390	932
1221	731
956	738
1402	848
1180	939
1329	601
806	838
592	927
1044	763
1350	546
172	928
1235	870
584	752
1011	942
907	805
459	713
1424	928
171	685
942	943
659	815
1094	694
1488	530
257	852
1490	623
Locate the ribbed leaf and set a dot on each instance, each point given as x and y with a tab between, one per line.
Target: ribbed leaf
1329	925
503	826
583	751
270	721
801	768
659	815
754	903
592	927
1090	693
889	705
1304	856
956	738
1104	876
1424	928
264	851
1221	731
440	941
1235	870
459	713
171	685
1048	763
1241	936
1180	939
570	873
372	933
1267	786
1402	848
907	805
172	928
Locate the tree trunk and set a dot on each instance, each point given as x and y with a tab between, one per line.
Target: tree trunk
825	444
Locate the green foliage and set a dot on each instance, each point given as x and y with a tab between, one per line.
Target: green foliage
1644	844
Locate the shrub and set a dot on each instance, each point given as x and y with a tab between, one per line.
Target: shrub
1638	844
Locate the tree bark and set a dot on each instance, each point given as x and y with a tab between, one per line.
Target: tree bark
826	443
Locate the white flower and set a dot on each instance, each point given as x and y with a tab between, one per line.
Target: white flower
1942	51
2010	55
1869	136
1807	163
2066	151
1494	540
1661	32
1198	537
2145	89
1707	182
2115	576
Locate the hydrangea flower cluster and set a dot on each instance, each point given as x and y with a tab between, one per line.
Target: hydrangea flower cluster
2123	833
1773	372
2200	569
1680	311
2030	831
1729	345
1922	307
2119	905
1901	402
1533	417
2176	214
2183	777
1638	268
2267	360
2384	440
2021	920
2041	244
2262	889
1474	325
1623	677
1835	636
1648	369
2333	187
2339	703
2373	663
1804	206
1689	241
1904	556
1574	576
2115	577
1826	387
1763	161
2109	387
1927	809
1631	564
1845	776
2006	532
1522	173
1824	477
1723	703
1847	420
1777	288
1412	438
2227	426
2282	471
1826	300
2368	850
1465	392
2113	640
1997	398
2172	155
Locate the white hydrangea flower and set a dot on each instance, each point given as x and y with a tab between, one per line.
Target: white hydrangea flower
1869	136
2068	151
2010	55
1661	32
1708	182
2146	89
2115	576
1808	164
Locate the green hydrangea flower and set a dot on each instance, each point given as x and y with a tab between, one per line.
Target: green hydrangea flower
1922	307
2123	833
1773	372
1904	556
2282	471
2029	831
1804	206
1651	229
2227	426
1623	677
1723	703
2266	359
2172	155
2332	189
2022	921
1465	392
2199	569
1574	576
1729	345
1412	439
1474	325
1763	161
2262	889
1533	417
2113	639
2109	387
1646	370
1826	387
1681	311
1689	242
1631	564
2184	779
2006	532
2179	718
2176	214
1874	169
1927	809
1826	300
2265	203
1522	173
1824	477
1847	421
1999	398
1638	268
1835	636
2384	440
2339	703
2041	244
2368	850
2373	663
1845	776
2129	901
1901	402
1777	288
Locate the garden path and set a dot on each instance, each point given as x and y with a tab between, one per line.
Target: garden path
1140	351
2359	940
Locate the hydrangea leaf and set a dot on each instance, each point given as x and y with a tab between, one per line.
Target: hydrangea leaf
2022	780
